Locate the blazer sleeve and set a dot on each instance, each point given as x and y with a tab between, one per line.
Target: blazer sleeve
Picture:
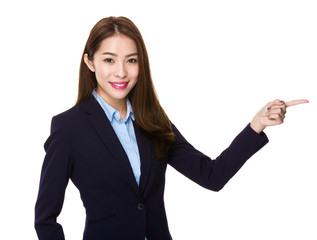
55	174
214	174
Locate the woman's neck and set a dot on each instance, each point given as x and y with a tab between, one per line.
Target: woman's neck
119	104
121	107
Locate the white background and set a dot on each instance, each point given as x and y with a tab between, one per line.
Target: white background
214	64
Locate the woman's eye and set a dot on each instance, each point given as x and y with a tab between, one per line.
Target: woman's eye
132	60
109	60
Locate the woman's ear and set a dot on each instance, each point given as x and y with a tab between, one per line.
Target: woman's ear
89	63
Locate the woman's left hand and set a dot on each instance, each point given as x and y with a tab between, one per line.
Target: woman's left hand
272	114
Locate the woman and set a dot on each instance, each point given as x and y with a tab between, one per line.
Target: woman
116	142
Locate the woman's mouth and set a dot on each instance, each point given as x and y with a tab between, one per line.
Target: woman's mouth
119	85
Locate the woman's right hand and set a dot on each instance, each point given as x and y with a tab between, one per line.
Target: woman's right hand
272	114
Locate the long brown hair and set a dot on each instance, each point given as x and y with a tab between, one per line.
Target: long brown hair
148	113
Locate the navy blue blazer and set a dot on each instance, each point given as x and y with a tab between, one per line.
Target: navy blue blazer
83	147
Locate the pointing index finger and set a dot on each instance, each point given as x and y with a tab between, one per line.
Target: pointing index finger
296	102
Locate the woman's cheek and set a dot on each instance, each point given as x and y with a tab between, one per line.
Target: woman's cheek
134	72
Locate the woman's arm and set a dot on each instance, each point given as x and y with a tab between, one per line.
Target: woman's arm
214	174
55	173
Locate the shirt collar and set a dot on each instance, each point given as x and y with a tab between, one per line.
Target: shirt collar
111	112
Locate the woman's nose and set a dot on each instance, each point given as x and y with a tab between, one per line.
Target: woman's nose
120	71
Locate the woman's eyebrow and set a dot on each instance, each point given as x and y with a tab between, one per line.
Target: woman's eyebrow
115	55
132	54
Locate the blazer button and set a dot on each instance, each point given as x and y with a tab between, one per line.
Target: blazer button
141	206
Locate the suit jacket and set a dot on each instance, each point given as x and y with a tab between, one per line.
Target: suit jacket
83	147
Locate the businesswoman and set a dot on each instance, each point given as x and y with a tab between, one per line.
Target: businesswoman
116	142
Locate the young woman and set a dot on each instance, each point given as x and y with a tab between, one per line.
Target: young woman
116	142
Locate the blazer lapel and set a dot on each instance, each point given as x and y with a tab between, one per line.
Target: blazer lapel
144	145
101	124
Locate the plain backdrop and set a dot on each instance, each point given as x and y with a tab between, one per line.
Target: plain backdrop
214	65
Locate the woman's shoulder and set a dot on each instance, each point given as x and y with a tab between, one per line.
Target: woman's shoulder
76	114
78	108
72	115
69	114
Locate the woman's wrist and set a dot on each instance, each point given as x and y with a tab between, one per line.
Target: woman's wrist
257	127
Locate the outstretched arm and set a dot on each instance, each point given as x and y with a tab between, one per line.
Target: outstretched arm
272	114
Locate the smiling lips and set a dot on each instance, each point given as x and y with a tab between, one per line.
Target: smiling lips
119	85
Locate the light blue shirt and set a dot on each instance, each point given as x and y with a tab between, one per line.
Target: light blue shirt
125	133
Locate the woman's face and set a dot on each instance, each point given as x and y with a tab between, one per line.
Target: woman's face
116	67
